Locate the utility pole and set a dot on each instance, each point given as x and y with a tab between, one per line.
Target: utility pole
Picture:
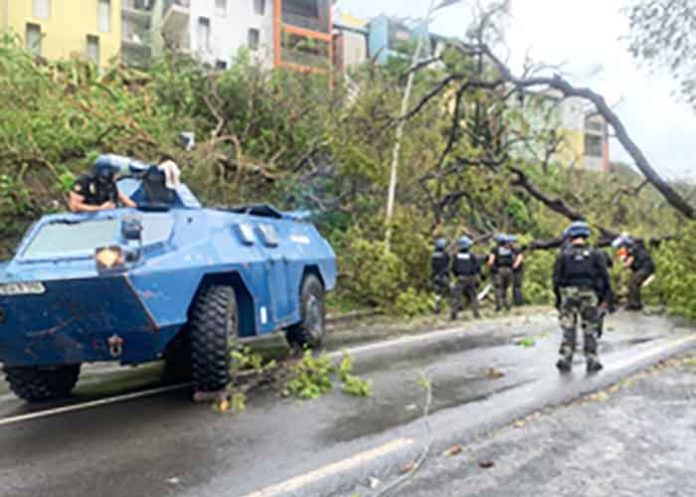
396	152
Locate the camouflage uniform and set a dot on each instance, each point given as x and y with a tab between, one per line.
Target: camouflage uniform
466	269
440	277
643	267
581	282
503	259
583	306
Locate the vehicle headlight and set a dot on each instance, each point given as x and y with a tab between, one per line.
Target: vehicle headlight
109	258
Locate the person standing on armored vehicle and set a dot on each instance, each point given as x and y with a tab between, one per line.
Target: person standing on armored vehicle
466	270
440	273
517	272
98	191
638	259
582	287
501	261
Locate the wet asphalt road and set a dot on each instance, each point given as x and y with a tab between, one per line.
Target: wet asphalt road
638	441
164	445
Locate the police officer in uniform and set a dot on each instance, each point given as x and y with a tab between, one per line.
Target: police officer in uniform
440	273
466	269
643	267
501	262
517	272
97	191
582	286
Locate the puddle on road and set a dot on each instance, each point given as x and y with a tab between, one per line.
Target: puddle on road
412	356
384	414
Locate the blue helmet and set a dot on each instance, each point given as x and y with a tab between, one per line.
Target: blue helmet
578	229
465	243
512	239
441	244
622	241
501	238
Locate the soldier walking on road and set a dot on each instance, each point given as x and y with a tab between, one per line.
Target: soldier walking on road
501	262
582	286
517	272
466	269
440	273
640	262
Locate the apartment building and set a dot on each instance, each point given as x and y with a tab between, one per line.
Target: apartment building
136	36
584	137
58	29
596	143
276	33
391	38
350	35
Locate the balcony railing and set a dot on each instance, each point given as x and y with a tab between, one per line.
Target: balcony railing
176	17
186	4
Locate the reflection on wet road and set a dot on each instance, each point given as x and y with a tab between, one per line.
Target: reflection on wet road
164	445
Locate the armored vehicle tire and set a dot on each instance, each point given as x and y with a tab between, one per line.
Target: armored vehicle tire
309	333
41	384
213	324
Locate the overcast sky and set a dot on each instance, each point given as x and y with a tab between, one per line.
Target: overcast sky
584	35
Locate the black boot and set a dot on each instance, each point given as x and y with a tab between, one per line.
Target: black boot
564	365
593	365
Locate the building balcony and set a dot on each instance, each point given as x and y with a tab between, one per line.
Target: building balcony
137	10
176	18
136	55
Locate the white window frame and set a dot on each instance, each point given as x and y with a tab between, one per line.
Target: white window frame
96	58
259	7
104	23
37	49
258	39
221	10
41	9
204	42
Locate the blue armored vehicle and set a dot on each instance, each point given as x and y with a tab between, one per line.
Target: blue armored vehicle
169	280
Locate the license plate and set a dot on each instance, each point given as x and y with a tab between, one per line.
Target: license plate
12	289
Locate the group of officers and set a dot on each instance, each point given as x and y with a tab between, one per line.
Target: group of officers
506	267
581	282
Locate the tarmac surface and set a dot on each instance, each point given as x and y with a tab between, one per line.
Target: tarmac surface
637	440
483	376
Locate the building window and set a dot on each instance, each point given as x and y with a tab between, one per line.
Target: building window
33	39
220	65
304	8
93	48
221	7
104	14
42	9
254	37
594	146
203	33
259	7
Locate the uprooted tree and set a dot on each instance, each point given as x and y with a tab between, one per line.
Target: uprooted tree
487	97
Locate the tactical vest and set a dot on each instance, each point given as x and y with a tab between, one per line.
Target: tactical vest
465	264
579	267
504	257
440	261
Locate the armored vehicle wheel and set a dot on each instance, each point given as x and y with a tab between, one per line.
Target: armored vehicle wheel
309	333
41	384
213	324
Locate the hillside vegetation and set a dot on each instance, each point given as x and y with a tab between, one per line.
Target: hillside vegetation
302	143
